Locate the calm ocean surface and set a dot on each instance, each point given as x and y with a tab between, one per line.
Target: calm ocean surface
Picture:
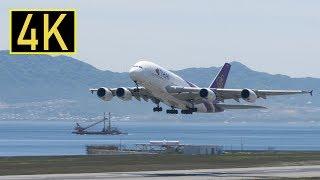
55	138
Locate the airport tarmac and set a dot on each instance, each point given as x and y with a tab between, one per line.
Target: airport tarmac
231	173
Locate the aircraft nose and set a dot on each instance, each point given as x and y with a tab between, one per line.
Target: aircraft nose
135	73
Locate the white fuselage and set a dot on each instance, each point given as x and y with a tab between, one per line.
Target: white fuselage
155	79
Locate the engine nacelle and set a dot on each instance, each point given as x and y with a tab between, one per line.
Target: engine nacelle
104	94
124	94
248	95
207	94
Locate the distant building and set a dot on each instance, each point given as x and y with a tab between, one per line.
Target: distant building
110	150
155	147
164	143
202	149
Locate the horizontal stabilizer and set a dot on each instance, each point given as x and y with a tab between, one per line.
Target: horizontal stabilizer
239	106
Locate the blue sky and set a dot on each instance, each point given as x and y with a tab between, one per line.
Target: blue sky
275	36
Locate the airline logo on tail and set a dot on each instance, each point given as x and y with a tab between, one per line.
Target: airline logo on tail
220	80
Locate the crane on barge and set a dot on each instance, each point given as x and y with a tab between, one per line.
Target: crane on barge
105	131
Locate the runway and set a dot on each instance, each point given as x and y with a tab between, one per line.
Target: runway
232	173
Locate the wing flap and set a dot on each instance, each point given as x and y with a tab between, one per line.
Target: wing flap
180	89
279	92
236	93
192	93
239	106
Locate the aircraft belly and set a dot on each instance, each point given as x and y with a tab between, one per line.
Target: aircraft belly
167	98
205	107
201	108
155	87
172	101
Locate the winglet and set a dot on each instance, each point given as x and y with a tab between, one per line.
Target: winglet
311	93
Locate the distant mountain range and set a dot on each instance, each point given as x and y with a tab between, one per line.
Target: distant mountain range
40	78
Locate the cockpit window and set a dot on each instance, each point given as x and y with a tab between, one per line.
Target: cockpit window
138	67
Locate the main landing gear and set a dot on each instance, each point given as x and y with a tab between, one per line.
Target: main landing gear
172	111
157	109
188	111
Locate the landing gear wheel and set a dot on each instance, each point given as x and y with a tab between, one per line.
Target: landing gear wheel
186	111
193	109
172	111
157	109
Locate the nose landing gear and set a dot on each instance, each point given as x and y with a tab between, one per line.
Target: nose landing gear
137	86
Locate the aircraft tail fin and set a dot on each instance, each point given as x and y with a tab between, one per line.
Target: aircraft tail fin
221	78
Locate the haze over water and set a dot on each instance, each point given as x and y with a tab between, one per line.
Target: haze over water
18	138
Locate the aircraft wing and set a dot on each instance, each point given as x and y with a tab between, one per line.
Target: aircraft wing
192	93
239	106
235	94
139	93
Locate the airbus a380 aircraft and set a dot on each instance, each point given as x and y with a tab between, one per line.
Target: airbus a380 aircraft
160	85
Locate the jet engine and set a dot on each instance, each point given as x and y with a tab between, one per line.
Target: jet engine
123	94
248	95
207	94
104	94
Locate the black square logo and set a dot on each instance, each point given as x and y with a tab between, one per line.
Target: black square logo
42	31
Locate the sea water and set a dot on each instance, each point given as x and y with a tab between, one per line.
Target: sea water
20	138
